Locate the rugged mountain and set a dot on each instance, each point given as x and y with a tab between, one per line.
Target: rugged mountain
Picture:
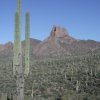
7	49
60	43
51	45
33	44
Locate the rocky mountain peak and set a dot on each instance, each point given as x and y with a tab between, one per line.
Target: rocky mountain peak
58	31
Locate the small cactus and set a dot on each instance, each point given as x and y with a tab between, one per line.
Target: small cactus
77	85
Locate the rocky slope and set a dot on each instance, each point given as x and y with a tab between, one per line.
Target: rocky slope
60	43
7	49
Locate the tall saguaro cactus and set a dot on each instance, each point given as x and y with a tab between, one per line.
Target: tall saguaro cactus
27	44
17	45
17	37
19	7
17	60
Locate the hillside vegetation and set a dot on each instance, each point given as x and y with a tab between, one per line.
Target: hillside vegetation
66	78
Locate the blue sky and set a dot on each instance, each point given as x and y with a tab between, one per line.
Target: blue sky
80	17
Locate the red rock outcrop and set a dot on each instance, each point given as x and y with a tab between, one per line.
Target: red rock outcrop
51	45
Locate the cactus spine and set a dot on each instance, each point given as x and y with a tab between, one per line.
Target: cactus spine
27	44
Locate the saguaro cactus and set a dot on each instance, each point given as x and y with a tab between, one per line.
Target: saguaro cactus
17	37
17	66
27	44
77	85
17	60
17	45
19	7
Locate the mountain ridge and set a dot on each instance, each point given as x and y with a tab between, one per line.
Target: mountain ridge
59	42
